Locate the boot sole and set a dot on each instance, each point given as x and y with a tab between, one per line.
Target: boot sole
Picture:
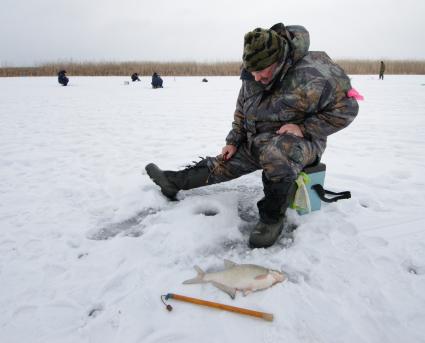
157	176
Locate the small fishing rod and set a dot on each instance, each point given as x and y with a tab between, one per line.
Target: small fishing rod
240	310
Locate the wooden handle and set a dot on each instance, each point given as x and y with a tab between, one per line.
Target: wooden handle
262	315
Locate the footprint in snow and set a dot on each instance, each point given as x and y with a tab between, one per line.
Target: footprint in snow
412	268
95	310
132	227
206	211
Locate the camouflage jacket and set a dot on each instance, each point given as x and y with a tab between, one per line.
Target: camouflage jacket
309	90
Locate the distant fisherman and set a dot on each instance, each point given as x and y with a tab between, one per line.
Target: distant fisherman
381	70
62	79
291	99
135	77
156	81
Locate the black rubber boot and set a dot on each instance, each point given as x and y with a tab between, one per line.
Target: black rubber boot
171	182
272	210
265	235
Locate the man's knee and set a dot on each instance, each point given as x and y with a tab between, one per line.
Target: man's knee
281	171
284	157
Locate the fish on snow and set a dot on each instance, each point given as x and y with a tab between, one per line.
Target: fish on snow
239	277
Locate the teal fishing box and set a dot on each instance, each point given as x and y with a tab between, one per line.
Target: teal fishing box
312	180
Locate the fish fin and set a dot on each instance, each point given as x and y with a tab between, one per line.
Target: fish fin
229	264
261	277
199	270
198	279
229	290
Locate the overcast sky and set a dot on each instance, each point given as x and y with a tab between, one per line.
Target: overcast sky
38	31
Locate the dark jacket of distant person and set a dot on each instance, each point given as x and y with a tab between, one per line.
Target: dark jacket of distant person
135	77
156	81
62	79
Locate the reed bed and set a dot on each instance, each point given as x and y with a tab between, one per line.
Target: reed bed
195	69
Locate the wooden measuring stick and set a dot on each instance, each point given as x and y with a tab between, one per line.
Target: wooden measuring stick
262	315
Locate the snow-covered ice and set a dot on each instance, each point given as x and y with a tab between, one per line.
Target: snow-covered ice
88	244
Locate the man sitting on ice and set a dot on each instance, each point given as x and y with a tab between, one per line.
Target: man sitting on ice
291	99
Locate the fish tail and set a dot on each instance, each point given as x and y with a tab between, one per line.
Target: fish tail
198	279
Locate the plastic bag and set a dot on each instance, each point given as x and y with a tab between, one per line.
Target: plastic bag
301	199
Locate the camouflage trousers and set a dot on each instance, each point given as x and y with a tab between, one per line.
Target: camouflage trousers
281	157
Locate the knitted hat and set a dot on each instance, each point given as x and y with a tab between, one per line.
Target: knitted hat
261	49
